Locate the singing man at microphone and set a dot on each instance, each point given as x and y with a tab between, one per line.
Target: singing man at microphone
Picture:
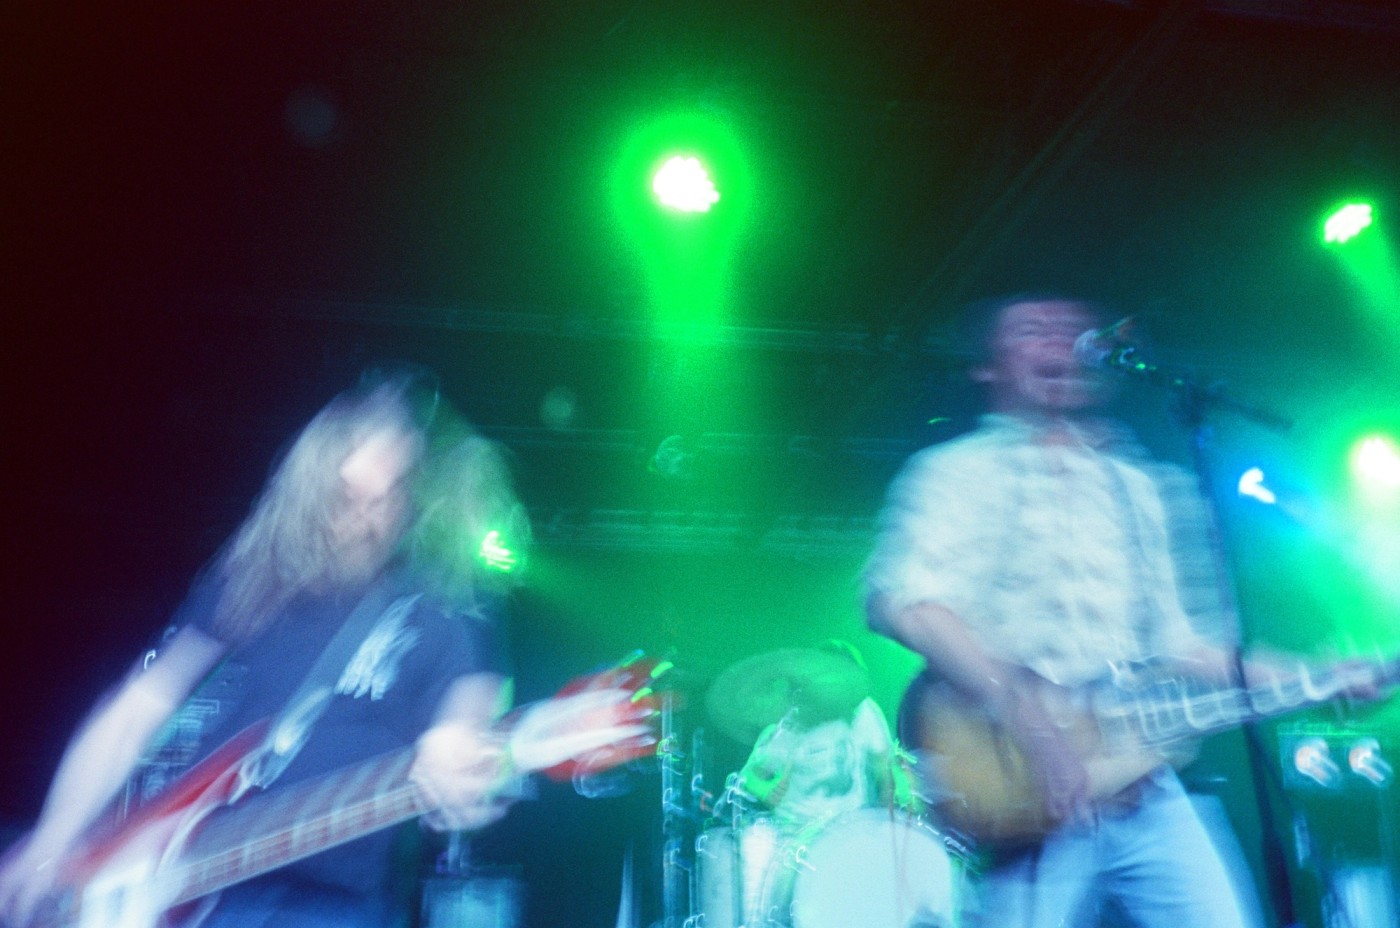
1028	558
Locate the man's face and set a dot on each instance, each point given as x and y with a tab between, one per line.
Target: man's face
369	514
1032	366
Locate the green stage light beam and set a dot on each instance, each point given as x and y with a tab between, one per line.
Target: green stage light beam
694	162
1375	462
1347	222
1372	264
495	554
683	184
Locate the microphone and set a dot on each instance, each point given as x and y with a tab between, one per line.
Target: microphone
1112	348
1105	347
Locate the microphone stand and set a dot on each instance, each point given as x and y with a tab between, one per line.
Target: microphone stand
1194	398
1193	401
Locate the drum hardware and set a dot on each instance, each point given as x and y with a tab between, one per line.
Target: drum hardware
799	858
703	799
960	846
675	876
734	801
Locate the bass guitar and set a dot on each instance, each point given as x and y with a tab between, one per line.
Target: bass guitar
1121	731
163	865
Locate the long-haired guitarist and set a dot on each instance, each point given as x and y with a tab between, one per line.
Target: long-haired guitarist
319	551
1024	560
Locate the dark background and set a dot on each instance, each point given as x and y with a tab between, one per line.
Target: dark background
217	214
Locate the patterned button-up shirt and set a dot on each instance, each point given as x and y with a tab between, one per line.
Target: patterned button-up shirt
1054	553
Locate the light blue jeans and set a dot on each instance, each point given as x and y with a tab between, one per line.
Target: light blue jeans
1154	859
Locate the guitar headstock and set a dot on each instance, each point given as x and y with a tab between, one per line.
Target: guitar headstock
595	722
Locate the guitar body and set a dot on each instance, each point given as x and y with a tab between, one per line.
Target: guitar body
980	779
981	782
115	878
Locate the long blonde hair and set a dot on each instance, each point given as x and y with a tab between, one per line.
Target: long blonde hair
285	545
466	492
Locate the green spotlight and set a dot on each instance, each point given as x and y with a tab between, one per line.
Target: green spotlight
1375	460
686	258
1346	223
495	553
683	184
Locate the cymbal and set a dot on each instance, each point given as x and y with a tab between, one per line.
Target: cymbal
754	693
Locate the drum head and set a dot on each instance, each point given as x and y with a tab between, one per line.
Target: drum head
873	869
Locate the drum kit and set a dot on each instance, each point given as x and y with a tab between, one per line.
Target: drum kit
822	827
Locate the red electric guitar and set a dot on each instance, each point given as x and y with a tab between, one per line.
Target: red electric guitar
163	865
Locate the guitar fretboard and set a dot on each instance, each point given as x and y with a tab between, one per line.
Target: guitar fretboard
267	831
1172	710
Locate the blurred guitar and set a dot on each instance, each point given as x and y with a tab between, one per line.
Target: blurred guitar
163	865
1121	732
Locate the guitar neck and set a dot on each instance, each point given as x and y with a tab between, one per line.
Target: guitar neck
271	830
1175	710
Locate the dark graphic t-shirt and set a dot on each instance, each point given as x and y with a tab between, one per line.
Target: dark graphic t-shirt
384	697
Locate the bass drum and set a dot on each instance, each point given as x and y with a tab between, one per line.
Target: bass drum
872	868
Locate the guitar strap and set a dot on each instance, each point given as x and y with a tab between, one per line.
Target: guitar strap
290	730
